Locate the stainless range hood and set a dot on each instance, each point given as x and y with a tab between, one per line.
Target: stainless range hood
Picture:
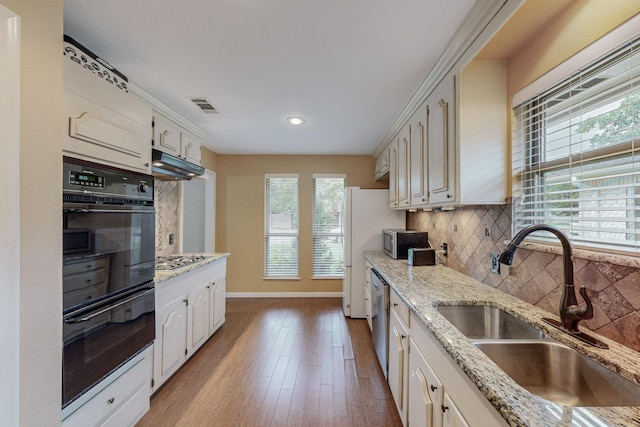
167	167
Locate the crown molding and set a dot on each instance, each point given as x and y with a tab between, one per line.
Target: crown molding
480	25
165	110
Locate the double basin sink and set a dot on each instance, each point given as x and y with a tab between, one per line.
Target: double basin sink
538	363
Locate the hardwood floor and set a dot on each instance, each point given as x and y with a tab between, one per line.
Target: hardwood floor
279	362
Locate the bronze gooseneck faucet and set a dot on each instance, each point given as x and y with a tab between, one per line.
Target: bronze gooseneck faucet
570	312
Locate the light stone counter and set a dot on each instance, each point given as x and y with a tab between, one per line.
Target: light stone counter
162	275
422	288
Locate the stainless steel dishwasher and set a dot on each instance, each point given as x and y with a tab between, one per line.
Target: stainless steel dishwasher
380	317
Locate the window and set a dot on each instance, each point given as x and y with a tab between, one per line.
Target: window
328	229
281	226
576	154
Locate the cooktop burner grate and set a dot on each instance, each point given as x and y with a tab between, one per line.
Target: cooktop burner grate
176	261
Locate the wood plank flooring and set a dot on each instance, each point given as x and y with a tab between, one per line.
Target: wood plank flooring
279	362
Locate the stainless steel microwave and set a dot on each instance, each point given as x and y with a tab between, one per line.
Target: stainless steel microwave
396	242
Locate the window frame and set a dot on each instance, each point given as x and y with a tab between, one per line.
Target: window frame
315	234
269	234
530	164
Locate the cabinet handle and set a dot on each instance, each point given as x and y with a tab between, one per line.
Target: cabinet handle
444	408
146	165
449	196
110	401
433	388
402	337
395	304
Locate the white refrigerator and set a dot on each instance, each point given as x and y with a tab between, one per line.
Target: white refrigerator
367	214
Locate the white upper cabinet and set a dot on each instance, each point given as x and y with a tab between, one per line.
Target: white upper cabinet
418	156
170	138
393	174
441	162
404	200
382	164
104	124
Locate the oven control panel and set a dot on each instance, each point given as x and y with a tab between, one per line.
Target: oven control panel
86	179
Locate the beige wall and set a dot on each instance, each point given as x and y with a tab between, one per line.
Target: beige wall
577	26
41	128
240	215
209	159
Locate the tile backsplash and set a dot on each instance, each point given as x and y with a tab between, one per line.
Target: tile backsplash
167	202
473	233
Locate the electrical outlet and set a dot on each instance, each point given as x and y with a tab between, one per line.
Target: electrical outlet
445	249
172	239
495	264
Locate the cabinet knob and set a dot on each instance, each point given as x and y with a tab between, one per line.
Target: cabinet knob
433	388
449	196
146	165
395	304
403	337
444	408
110	401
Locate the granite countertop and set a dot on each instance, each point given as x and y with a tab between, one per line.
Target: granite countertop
162	275
422	288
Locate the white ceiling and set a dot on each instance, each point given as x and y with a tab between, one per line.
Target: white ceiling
348	67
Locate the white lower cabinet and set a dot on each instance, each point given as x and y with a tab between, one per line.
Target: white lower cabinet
189	309
451	415
398	363
217	301
121	399
438	387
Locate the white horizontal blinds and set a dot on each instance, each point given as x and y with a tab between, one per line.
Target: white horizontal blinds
281	226
328	229
576	154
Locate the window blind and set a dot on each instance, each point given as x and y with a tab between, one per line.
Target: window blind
328	229
576	154
281	226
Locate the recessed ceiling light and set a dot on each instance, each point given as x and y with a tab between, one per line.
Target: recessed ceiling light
295	120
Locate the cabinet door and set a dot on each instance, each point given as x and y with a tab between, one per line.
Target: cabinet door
420	404
166	136
218	304
441	142
418	156
382	163
393	174
171	340
451	414
420	369
404	150
198	330
190	148
398	363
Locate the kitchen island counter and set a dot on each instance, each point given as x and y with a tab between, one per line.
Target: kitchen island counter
423	288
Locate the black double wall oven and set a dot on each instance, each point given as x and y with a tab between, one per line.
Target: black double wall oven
108	270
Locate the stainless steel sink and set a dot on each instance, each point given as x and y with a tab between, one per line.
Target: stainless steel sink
560	374
484	322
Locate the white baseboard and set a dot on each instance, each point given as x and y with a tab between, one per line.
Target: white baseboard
284	294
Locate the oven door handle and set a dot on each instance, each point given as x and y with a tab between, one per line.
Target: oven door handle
128	211
104	310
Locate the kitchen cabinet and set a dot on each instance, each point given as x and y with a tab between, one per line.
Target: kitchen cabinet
441	146
104	124
170	138
171	339
198	318
189	309
452	151
393	174
418	156
398	375
218	298
120	399
368	306
382	164
437	387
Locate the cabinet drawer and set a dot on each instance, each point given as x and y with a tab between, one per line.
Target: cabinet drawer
104	403
400	307
131	411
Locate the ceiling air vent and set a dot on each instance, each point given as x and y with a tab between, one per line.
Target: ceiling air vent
204	105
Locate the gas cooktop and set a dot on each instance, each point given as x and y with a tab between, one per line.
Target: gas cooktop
172	262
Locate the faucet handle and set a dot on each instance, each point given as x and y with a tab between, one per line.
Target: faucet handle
587	312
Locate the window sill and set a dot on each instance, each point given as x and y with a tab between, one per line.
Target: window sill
281	278
587	254
327	277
